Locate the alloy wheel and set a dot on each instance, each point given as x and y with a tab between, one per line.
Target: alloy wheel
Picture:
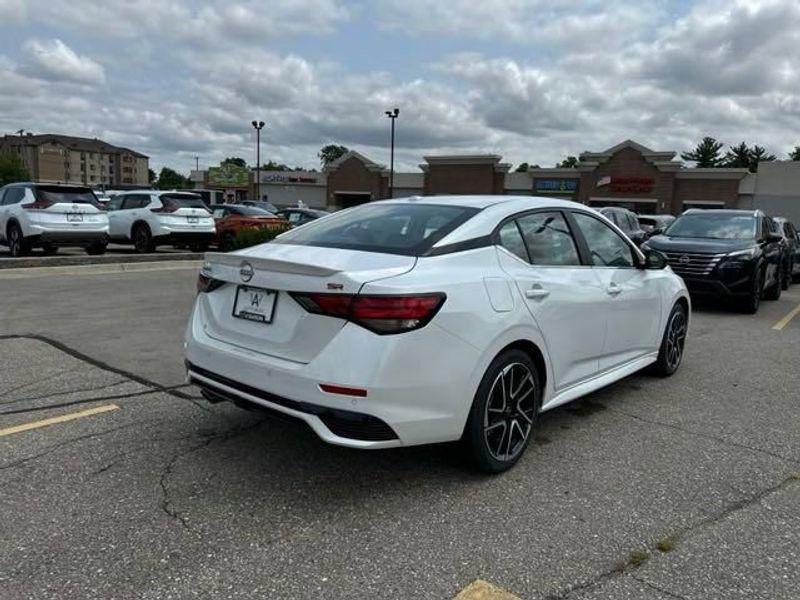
676	338
510	410
14	243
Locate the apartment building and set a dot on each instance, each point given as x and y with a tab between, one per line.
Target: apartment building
53	158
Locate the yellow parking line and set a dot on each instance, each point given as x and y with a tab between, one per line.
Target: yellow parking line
54	420
483	590
785	320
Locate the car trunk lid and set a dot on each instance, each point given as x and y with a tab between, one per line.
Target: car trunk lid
292	333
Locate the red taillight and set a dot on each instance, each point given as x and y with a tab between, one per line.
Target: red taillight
37	205
207	284
382	314
343	390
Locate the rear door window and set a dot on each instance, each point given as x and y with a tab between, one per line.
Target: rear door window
401	228
511	240
548	239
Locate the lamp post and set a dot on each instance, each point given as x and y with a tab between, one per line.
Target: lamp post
392	114
258	126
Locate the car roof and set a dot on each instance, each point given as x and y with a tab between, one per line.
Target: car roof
725	211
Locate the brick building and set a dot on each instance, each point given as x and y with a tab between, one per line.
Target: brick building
52	158
627	174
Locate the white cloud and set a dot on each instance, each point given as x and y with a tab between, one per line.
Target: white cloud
12	11
55	61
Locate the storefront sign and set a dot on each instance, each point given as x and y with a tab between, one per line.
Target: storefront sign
557	186
630	185
288	177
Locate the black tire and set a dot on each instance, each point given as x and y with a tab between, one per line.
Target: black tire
49	249
495	422
787	275
143	239
228	242
670	353
17	245
774	291
751	303
96	249
198	247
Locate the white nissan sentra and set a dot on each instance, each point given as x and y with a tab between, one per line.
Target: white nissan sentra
433	319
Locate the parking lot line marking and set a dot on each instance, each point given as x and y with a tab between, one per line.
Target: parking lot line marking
61	419
483	590
785	320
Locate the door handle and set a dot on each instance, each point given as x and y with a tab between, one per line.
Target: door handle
536	292
613	289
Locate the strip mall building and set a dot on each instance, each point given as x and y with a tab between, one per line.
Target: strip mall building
628	174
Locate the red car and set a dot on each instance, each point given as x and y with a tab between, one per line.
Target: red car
233	218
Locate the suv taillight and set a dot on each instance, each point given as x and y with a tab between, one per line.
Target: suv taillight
37	205
382	314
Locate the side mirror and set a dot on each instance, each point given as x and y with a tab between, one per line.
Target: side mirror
654	260
656	231
774	237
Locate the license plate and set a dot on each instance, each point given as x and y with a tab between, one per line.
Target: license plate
74	218
193	220
254	304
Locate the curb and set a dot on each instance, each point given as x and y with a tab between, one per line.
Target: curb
71	261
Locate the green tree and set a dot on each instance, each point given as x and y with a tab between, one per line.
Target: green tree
151	176
795	154
234	160
738	157
168	179
759	154
706	154
522	168
12	168
330	153
571	162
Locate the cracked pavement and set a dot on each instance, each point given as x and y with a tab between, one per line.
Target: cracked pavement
171	497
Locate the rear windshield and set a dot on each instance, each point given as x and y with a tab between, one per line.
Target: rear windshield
72	195
182	201
252	211
409	229
718	226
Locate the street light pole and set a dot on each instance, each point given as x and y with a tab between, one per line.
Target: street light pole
392	114
258	126
196	163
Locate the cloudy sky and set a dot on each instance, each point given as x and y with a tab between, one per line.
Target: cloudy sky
532	80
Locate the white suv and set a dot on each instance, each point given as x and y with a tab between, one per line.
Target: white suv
148	218
49	216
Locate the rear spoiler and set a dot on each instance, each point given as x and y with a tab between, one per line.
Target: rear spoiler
268	264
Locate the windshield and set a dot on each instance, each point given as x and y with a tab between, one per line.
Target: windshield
717	226
409	229
61	194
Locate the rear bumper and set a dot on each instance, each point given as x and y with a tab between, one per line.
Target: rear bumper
184	237
69	238
416	392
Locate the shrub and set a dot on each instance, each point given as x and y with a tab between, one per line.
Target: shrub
252	237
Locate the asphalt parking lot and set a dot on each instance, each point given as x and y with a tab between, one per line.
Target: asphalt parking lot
118	481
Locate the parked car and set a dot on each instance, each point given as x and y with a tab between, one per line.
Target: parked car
627	221
654	224
267	206
301	216
414	321
149	218
791	240
230	219
725	253
48	216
